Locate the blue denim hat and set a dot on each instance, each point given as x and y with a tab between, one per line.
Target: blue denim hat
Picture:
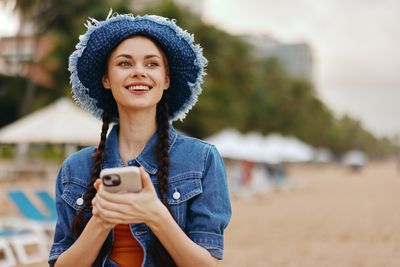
185	59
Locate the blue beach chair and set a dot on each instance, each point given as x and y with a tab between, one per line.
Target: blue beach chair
29	210
42	223
49	203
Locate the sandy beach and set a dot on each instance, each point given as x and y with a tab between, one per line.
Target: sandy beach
332	217
336	218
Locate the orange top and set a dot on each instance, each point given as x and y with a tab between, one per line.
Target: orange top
126	250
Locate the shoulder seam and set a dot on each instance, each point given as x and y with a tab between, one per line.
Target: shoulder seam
209	146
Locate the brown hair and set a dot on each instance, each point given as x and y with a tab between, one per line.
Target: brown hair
156	250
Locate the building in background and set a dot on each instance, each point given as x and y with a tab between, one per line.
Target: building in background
22	56
296	58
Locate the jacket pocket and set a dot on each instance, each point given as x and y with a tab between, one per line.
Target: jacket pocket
73	193
181	189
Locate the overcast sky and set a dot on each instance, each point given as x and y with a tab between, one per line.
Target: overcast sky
355	47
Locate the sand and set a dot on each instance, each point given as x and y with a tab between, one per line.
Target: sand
331	218
336	218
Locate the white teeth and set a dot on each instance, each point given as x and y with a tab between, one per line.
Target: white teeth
139	88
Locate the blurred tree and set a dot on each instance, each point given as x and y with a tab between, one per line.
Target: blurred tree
10	95
12	90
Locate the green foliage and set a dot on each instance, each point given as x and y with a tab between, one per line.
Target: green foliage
12	91
7	152
46	152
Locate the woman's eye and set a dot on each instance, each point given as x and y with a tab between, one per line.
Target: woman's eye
124	64
152	64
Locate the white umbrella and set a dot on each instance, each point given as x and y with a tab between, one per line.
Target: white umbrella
254	147
59	123
274	148
228	143
354	158
297	151
289	149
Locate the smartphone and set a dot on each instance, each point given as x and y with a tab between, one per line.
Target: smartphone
122	179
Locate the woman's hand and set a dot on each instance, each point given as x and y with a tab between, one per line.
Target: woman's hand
95	211
125	208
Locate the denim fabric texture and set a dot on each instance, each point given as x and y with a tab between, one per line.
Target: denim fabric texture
197	172
185	59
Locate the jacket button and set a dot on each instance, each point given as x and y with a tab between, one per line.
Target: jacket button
176	195
79	201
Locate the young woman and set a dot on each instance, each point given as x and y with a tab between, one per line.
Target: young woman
141	74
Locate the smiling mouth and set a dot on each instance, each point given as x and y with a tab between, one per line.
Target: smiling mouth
141	88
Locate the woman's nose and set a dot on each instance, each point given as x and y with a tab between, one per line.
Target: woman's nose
138	72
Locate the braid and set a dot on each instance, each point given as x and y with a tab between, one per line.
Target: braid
79	222
162	150
159	253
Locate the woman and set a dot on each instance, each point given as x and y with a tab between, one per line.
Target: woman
140	73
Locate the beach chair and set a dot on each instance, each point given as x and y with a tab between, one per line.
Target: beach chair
29	210
27	246
7	256
49	203
33	219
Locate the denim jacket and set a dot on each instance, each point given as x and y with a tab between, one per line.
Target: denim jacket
196	171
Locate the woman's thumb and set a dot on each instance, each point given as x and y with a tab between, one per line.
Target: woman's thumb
97	184
145	177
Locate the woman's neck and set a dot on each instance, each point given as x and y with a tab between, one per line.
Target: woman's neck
135	130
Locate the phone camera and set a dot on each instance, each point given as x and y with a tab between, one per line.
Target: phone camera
111	180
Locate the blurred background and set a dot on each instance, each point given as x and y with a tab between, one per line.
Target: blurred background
300	99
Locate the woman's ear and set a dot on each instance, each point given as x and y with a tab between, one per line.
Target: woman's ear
166	82
106	82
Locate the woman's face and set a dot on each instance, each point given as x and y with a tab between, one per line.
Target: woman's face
136	74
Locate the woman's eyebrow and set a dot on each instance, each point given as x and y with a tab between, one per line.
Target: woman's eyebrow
150	56
130	57
124	55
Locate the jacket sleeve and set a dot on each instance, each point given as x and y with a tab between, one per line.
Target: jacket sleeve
209	212
62	234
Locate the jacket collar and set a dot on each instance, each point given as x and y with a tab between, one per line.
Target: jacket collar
146	158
